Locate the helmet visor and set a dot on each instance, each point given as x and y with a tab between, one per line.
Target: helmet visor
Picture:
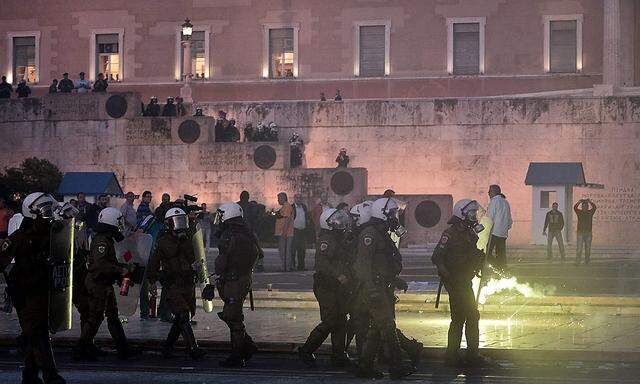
470	211
179	222
339	220
44	206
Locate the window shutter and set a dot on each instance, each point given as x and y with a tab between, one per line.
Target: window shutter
562	46
107	43
466	48
372	50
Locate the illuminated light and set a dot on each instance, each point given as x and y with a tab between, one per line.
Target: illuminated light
387	69
265	71
579	64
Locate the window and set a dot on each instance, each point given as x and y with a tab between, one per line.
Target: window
547	198
24	59
281	53
108	56
198	55
465	46
563	44
372	50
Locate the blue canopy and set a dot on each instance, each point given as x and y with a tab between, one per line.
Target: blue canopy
91	183
555	174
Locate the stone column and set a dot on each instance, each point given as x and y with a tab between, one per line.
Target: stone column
185	90
617	60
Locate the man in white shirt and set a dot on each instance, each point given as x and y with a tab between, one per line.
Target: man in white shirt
499	212
300	225
82	85
129	212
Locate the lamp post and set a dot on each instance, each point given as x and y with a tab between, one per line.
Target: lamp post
187	31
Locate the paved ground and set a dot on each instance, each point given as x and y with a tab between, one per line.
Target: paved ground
285	369
588	333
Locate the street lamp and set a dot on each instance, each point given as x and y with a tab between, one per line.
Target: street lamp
187	31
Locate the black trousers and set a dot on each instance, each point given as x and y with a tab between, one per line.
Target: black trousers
498	251
299	248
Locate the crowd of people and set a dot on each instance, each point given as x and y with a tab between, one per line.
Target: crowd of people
357	271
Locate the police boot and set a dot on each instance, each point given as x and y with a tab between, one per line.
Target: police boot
235	359
314	341
475	359
97	351
190	339
172	337
83	352
250	347
29	376
48	364
339	357
370	348
412	347
452	357
397	368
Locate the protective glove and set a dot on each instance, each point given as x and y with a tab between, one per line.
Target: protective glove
401	284
209	292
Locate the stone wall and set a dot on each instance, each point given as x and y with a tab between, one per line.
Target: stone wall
442	146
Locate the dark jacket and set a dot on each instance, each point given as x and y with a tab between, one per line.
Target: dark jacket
554	220
100	86
29	246
458	253
332	257
169	110
378	262
5	90
238	250
102	264
66	85
23	90
153	110
175	257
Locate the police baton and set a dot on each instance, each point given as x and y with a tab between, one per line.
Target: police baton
438	295
251	303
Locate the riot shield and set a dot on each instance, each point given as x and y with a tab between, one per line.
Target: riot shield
484	238
61	275
202	272
135	248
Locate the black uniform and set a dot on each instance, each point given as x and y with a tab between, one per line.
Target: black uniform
153	110
174	255
457	255
239	251
169	110
332	262
29	289
103	271
66	86
377	266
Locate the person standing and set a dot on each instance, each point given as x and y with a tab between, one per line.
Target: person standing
65	85
554	221
129	212
53	88
162	209
153	109
320	206
301	224
29	284
144	208
284	231
5	88
458	259
174	255
82	85
103	270
23	89
499	212
585	225
238	252
169	109
101	84
331	283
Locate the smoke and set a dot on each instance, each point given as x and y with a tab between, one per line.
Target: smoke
501	283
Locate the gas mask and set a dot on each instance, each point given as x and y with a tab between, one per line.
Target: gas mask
470	214
394	223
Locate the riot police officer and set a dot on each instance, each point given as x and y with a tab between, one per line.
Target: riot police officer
153	108
238	252
103	270
331	286
377	266
175	256
458	260
29	284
